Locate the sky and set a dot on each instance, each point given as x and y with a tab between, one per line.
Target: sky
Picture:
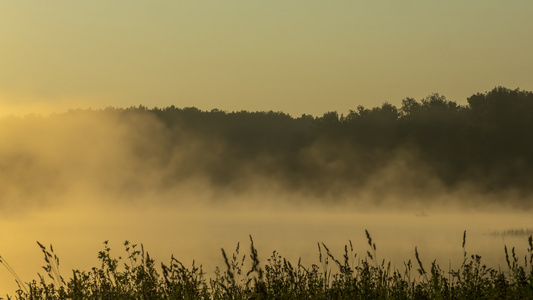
295	56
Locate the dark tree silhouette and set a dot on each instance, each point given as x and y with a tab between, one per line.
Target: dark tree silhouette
487	143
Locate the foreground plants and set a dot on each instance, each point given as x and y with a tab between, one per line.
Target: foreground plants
245	277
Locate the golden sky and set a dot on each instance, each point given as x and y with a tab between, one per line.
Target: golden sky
296	56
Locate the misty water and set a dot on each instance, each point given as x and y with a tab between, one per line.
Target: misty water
198	233
78	179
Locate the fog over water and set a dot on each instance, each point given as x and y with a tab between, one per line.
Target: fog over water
78	179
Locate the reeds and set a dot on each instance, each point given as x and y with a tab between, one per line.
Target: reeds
350	277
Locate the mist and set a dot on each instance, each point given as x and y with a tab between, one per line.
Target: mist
193	184
132	159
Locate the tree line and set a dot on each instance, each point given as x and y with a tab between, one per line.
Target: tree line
419	149
487	143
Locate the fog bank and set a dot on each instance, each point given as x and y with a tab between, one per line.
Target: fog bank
83	177
133	158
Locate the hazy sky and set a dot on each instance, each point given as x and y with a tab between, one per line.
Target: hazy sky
296	56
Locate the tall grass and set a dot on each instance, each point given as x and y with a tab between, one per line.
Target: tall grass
246	277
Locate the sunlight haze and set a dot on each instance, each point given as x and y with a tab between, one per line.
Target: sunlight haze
191	126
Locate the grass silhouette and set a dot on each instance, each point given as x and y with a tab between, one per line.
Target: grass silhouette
350	277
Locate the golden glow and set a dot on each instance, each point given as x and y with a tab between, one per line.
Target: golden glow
295	56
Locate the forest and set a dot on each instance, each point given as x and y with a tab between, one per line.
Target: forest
421	147
488	143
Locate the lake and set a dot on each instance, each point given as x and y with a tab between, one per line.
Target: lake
77	232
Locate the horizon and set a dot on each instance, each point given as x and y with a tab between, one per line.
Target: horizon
27	110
